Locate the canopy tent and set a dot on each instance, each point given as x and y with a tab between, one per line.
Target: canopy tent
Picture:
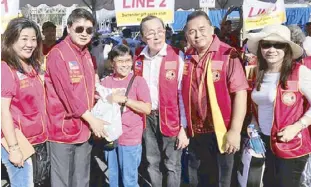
99	4
298	16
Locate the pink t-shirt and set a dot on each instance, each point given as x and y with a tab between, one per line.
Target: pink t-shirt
132	122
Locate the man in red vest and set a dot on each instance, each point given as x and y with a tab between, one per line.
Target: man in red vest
165	136
70	88
49	32
214	94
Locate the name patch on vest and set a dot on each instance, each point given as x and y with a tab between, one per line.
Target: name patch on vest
23	81
289	98
217	65
186	66
170	65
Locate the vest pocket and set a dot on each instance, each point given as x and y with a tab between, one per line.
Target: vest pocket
31	124
71	127
171	118
294	144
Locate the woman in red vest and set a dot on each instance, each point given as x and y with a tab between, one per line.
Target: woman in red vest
22	97
280	89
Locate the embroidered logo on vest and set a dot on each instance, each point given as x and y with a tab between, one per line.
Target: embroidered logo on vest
138	65
289	98
170	74
216	76
73	65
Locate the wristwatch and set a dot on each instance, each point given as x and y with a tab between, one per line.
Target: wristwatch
125	101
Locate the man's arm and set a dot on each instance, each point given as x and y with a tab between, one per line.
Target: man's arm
182	138
237	84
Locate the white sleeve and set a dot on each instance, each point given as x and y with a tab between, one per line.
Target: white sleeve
305	85
183	119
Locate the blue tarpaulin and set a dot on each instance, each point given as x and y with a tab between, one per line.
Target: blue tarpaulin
299	16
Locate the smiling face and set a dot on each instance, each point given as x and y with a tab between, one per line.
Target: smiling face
122	65
199	33
153	35
273	52
25	44
81	39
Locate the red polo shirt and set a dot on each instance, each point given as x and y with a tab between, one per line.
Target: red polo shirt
202	118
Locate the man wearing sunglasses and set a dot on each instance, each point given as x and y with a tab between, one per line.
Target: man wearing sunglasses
70	87
165	137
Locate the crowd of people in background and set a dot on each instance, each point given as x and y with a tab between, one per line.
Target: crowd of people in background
194	93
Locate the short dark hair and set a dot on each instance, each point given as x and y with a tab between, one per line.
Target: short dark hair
48	24
196	14
127	33
10	37
78	14
119	50
308	24
148	18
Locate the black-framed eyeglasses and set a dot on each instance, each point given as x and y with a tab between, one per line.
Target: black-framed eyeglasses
267	45
80	29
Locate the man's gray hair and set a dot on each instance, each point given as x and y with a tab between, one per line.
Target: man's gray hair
297	35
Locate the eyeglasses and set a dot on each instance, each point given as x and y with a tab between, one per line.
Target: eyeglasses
80	29
128	61
266	45
151	34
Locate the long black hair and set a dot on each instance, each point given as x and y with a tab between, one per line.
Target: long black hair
10	37
286	70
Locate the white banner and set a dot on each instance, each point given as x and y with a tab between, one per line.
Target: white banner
131	12
207	3
258	14
9	10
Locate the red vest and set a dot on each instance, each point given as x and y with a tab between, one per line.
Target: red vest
28	107
65	128
168	86
220	60
288	109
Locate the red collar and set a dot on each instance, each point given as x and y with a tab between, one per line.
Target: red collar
75	47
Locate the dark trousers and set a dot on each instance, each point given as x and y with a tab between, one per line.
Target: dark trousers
281	172
163	159
207	166
70	164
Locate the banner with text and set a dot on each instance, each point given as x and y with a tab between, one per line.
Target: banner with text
131	12
9	10
258	14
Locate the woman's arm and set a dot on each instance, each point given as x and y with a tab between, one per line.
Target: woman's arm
8	130
137	106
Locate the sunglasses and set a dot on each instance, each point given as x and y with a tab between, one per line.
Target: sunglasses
80	29
274	45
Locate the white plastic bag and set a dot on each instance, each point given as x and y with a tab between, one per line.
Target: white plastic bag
109	112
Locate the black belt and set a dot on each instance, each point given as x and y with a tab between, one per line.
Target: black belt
154	112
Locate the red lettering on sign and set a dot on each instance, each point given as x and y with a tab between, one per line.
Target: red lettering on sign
125	5
5	4
260	11
141	4
163	3
149	5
